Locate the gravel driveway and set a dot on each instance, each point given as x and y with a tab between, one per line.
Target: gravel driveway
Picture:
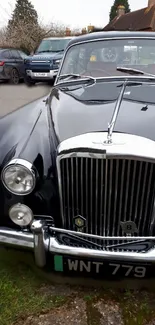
95	307
12	97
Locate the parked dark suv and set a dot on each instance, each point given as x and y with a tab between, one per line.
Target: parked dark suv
44	64
11	65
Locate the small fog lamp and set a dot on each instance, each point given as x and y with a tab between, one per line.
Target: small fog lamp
21	214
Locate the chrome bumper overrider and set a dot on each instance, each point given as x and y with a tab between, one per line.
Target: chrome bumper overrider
41	241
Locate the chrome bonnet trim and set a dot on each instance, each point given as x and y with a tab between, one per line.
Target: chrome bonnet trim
126	145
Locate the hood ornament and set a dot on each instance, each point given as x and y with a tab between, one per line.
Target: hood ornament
112	123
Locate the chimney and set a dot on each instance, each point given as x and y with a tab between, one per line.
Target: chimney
151	3
90	28
84	31
120	11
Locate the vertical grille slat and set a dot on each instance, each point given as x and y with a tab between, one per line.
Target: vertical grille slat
76	186
133	188
81	188
72	185
121	196
107	191
63	184
143	193
115	196
91	196
101	199
87	188
96	196
105	197
110	170
147	199
68	193
138	191
128	164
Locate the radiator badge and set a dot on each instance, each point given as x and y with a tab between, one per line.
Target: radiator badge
129	227
80	223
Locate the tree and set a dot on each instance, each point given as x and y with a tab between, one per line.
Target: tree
113	12
23	27
24	13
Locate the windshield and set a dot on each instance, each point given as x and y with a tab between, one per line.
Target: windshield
23	55
102	57
53	45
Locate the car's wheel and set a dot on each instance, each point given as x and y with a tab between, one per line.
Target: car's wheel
14	78
51	82
29	82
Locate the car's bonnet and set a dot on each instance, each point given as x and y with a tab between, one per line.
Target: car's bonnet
72	117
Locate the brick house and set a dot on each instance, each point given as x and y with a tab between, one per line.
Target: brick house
139	20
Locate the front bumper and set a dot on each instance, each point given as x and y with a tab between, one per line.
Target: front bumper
43	239
41	75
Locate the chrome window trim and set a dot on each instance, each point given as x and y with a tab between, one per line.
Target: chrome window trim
99	39
108	79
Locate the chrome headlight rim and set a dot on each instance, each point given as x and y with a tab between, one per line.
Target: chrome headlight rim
27	166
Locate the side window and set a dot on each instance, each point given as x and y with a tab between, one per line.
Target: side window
14	54
22	55
6	55
76	61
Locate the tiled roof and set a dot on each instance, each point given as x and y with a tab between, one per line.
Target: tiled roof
142	19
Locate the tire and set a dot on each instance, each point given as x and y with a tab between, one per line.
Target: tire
14	78
52	81
29	82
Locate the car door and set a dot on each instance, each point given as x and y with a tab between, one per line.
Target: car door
22	57
18	60
8	62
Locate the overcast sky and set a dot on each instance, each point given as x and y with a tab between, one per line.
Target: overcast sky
74	13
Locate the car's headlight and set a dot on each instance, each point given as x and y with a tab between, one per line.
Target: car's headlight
26	61
19	177
57	62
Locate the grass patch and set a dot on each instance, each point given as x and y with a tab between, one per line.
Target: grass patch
138	308
22	294
19	292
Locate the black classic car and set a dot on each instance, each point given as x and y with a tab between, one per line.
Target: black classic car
78	166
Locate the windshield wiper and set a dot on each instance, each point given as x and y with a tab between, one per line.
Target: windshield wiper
70	76
134	71
62	50
42	52
49	51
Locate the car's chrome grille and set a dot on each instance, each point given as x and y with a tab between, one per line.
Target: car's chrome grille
107	192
